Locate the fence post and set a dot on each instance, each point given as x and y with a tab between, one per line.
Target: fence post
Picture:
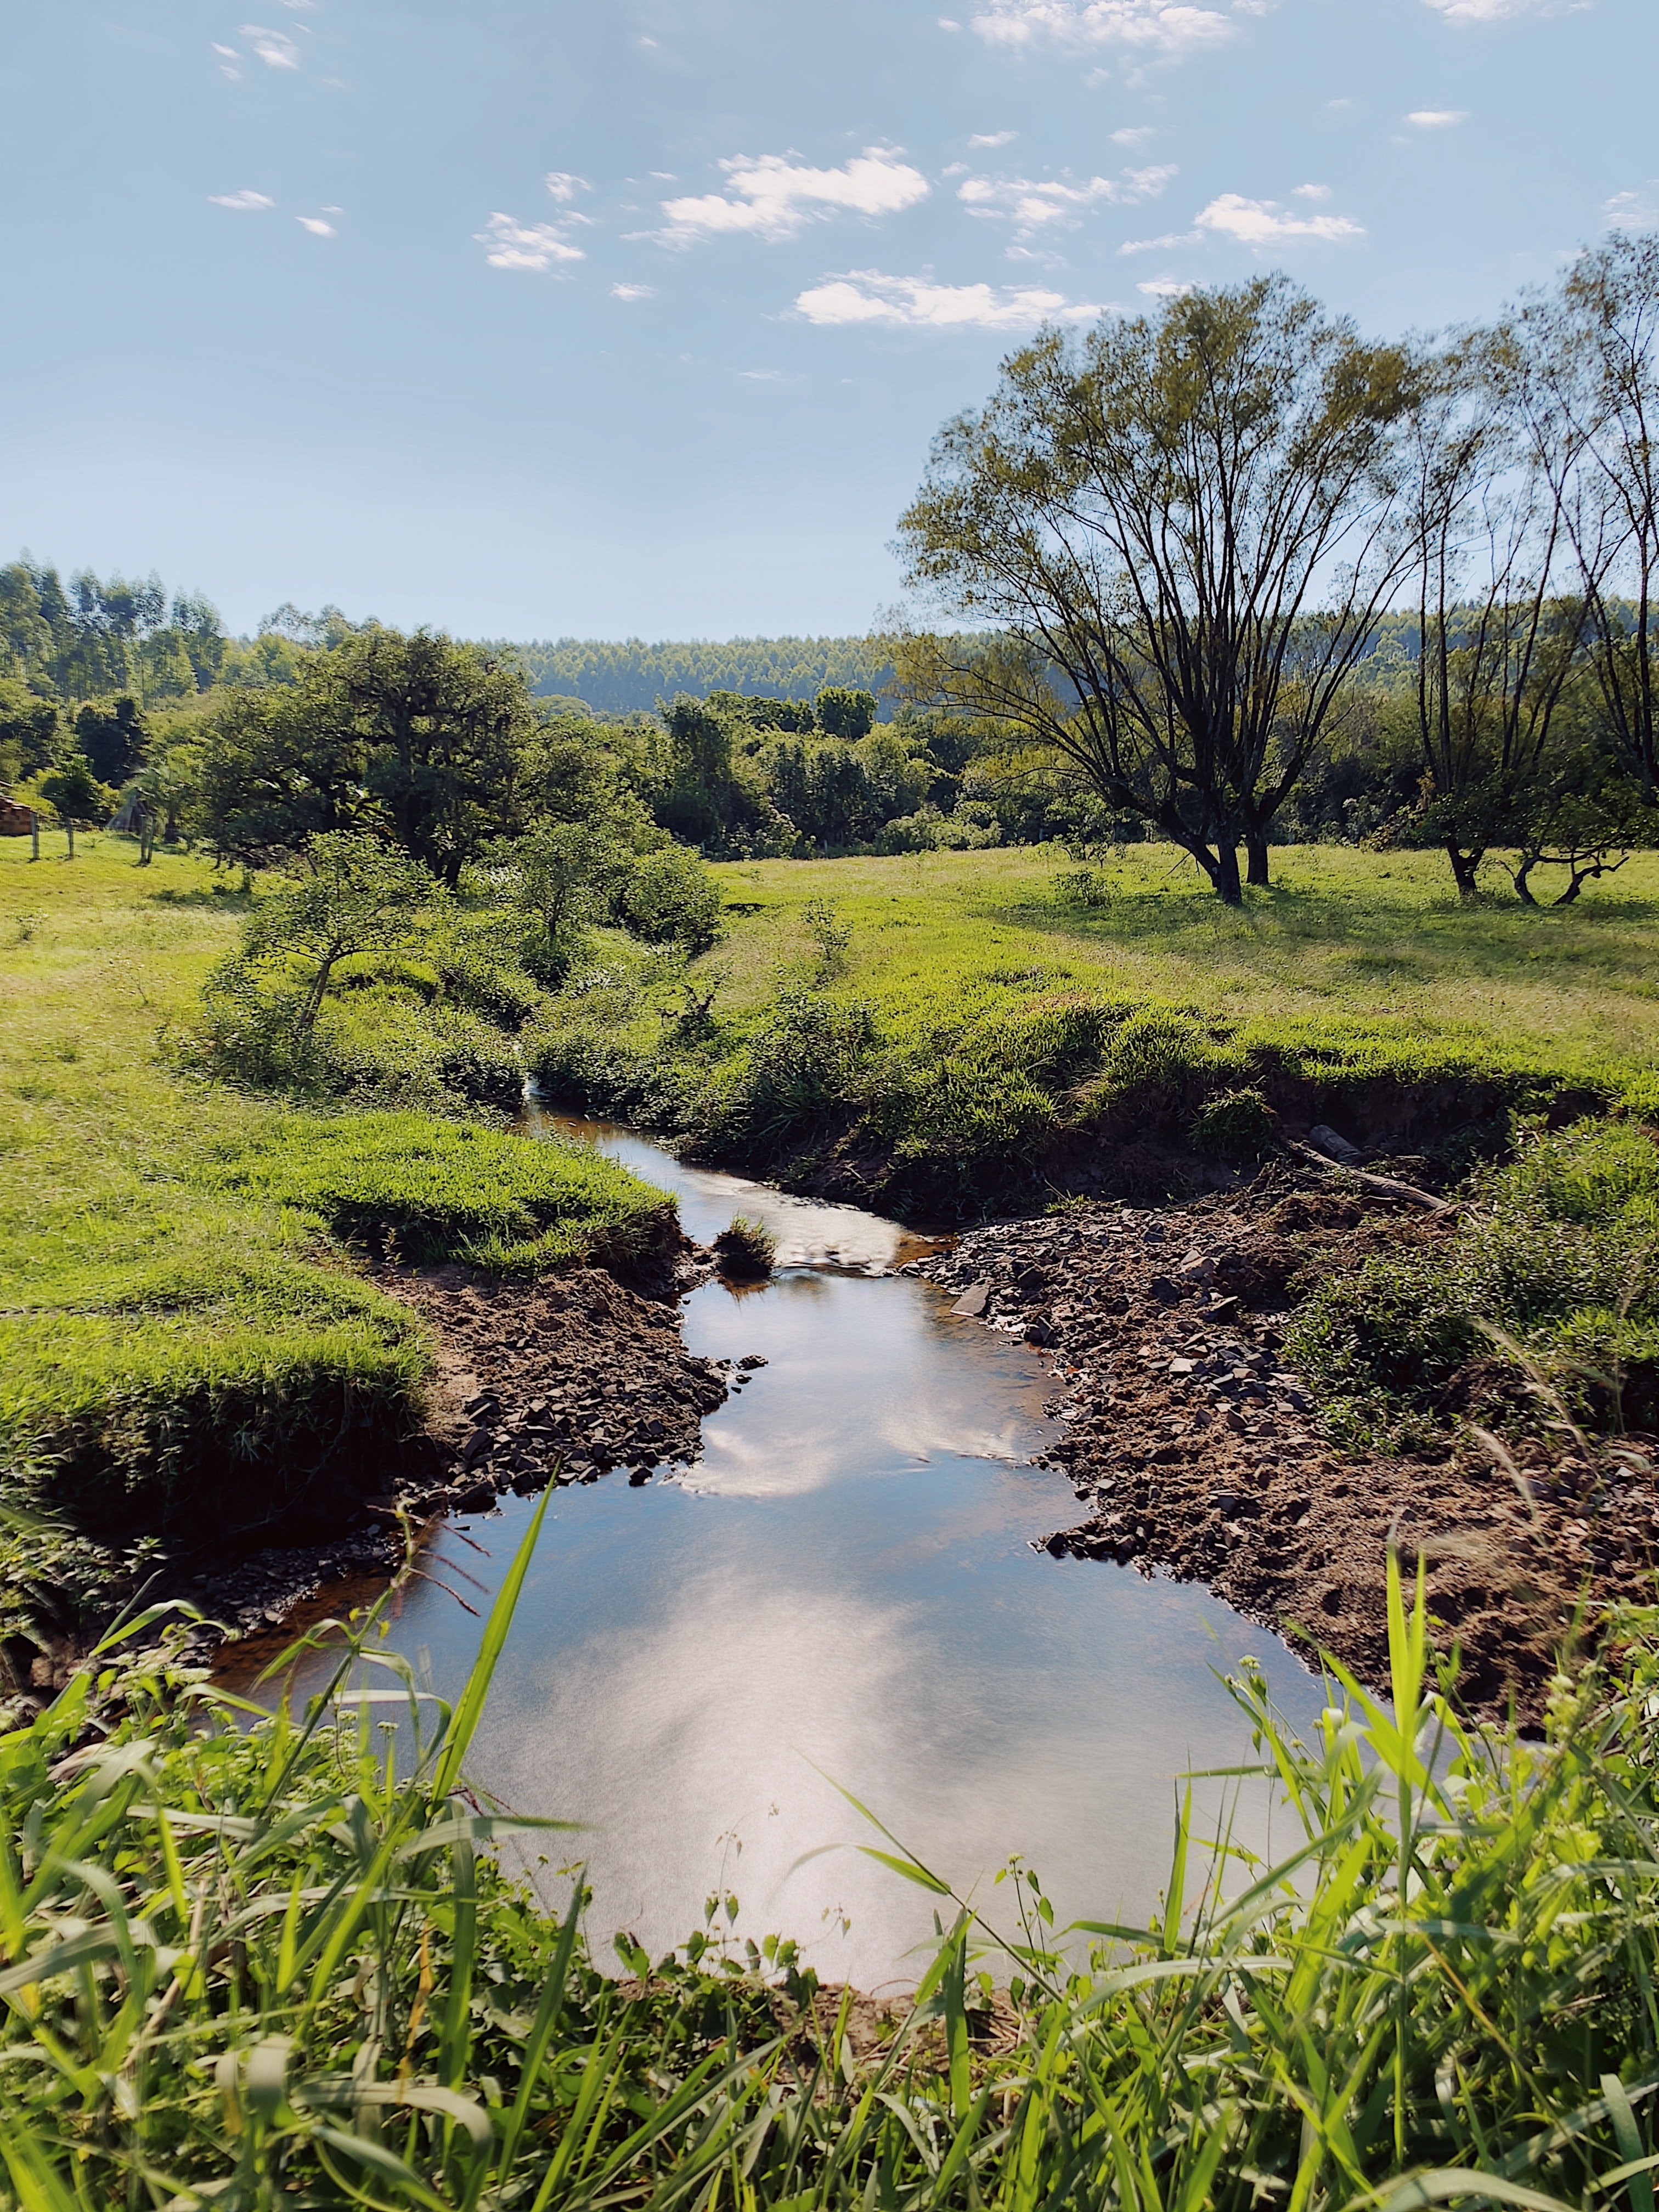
69	825
34	834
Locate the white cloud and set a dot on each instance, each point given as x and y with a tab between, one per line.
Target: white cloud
1152	26
1161	245
770	196
1436	119
762	375
1263	223
864	295
993	138
1165	288
564	187
230	62
1632	207
1030	203
1311	192
514	245
948	23
1483	11
273	48
1137	137
315	225
633	291
244	202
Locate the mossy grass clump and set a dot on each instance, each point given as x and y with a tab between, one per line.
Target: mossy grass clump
1235	1126
746	1250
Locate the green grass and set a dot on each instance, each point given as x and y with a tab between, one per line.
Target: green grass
445	1190
184	1349
980	1017
256	1961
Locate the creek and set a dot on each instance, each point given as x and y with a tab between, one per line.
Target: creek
843	1591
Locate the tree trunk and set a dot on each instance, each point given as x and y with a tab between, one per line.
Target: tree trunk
1226	875
1256	845
1465	867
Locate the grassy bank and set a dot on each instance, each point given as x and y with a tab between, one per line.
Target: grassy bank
947	1026
186	1350
257	1966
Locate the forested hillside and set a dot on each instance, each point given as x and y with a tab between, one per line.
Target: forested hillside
630	676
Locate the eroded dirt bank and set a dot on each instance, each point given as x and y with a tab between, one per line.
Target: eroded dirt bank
1194	1448
569	1379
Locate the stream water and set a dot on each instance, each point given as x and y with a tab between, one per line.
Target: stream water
843	1592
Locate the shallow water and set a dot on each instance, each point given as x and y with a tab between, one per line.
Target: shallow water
844	1592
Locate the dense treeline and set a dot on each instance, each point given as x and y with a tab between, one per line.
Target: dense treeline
629	678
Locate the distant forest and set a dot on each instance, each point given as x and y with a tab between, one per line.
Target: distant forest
630	676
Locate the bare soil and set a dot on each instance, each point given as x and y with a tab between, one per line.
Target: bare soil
1194	1448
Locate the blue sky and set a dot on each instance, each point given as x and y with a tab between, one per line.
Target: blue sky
613	317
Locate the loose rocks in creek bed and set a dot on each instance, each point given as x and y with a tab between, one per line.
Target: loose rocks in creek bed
1194	1447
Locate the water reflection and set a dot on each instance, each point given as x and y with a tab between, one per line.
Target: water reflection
844	1591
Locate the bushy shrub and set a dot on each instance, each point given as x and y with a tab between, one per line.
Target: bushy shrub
1559	1246
669	897
803	1063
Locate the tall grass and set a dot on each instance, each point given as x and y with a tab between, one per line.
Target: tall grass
256	1960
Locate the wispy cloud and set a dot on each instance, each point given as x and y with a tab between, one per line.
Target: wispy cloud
1484	11
1165	288
1436	119
273	48
994	137
316	226
1151	26
245	202
564	187
1311	192
1030	203
1264	222
1634	207
1136	136
230	62
768	196
866	296
514	245
633	291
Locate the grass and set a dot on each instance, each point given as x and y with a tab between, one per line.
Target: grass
980	1015
251	1959
185	1352
1555	1255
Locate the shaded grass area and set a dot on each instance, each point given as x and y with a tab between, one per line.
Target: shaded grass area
989	1014
258	1963
185	1350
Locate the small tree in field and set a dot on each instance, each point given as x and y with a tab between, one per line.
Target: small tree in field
350	896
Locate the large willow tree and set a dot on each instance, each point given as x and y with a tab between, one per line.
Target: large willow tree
1171	540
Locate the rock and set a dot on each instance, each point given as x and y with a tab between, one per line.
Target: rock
1181	1366
1326	1140
1196	1268
1223	1310
971	1304
1166	1293
754	1359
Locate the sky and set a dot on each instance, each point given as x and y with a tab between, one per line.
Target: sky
612	318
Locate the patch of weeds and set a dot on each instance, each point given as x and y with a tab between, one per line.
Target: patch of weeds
1234	1124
